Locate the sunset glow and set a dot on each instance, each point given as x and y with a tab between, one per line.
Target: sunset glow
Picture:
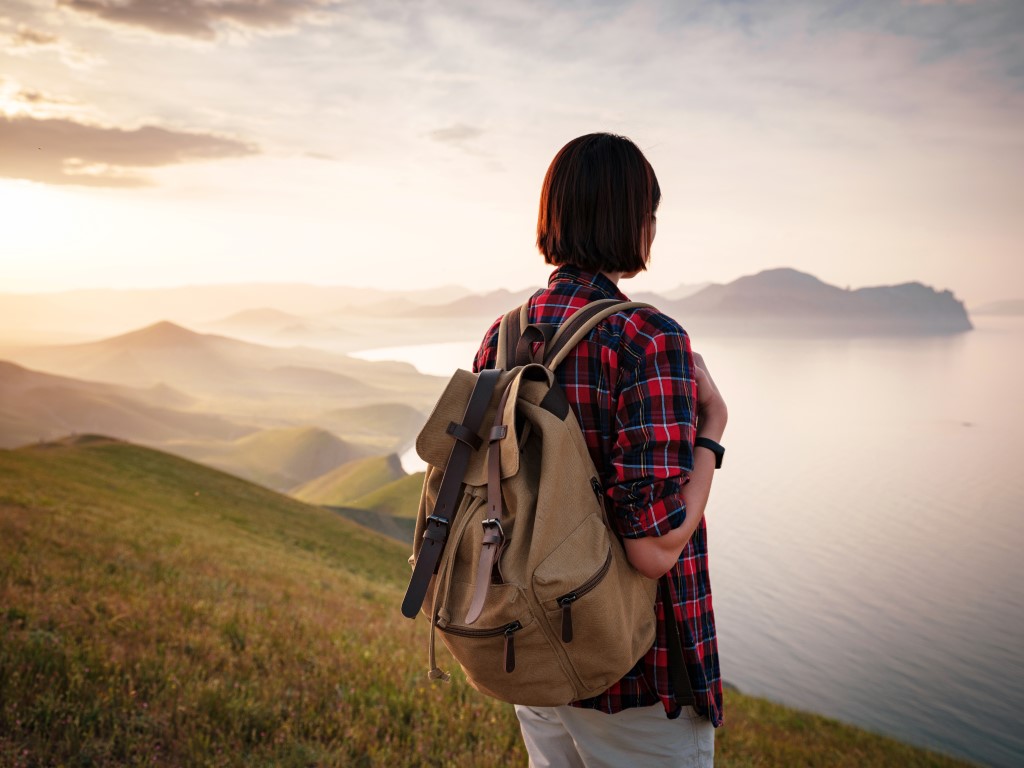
403	144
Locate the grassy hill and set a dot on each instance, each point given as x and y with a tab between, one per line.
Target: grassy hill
390	425
350	481
276	458
226	370
399	498
158	612
36	405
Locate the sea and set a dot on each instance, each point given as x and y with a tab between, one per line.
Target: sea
866	530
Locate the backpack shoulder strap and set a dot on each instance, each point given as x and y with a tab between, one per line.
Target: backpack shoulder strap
582	322
510	331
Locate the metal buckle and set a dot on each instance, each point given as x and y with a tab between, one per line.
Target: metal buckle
493	522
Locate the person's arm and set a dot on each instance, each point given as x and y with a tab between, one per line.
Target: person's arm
653	555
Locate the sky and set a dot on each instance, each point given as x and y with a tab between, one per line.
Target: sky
402	144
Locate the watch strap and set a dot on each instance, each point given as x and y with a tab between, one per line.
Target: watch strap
711	445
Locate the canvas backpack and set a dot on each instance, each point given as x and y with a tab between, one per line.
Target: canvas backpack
514	560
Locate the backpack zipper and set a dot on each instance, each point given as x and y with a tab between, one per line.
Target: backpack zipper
566	601
509	631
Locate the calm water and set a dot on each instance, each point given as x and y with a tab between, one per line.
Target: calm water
867	530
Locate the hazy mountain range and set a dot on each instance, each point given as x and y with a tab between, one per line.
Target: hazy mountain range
343	319
278	416
268	394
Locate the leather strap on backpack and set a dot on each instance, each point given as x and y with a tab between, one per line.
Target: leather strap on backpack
493	541
436	533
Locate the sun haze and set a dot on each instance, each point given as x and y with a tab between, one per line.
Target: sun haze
403	145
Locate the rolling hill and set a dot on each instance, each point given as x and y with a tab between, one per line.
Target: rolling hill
390	424
276	458
157	611
237	378
170	354
399	498
40	406
350	481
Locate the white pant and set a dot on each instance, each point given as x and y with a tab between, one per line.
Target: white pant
573	737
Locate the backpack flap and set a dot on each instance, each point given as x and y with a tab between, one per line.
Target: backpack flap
434	443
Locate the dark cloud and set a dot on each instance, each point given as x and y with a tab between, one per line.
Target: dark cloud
198	18
62	151
457	134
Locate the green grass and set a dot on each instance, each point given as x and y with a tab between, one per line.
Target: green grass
156	612
399	498
350	481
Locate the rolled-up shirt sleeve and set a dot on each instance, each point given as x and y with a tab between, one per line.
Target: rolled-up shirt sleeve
655	420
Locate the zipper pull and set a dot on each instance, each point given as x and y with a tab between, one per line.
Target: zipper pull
566	602
598	490
510	645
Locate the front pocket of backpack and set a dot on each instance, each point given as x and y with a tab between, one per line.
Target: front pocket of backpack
505	653
597	605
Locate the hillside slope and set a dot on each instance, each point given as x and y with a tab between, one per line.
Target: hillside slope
159	612
36	405
350	481
275	458
399	498
154	607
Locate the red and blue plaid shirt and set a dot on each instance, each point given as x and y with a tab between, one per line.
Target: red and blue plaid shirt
632	387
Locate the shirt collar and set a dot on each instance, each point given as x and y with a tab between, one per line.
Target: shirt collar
596	281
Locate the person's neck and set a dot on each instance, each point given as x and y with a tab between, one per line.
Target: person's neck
616	276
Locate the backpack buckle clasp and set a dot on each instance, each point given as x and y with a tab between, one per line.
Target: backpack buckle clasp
493	532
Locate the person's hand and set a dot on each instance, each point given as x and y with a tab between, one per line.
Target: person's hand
712	413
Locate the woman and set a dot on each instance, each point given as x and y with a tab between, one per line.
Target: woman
653	421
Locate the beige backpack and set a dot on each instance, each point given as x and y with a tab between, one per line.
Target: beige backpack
514	560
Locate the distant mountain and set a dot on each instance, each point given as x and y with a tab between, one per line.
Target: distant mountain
264	319
101	312
39	406
1007	308
671	294
488	305
167	354
774	301
790	302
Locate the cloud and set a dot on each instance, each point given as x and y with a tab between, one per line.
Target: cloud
457	134
200	19
25	41
64	151
25	37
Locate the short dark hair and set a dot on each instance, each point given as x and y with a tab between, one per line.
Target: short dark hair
596	206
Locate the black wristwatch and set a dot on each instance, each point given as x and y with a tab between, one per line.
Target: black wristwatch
711	445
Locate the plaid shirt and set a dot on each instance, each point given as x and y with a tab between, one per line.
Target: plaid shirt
631	385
